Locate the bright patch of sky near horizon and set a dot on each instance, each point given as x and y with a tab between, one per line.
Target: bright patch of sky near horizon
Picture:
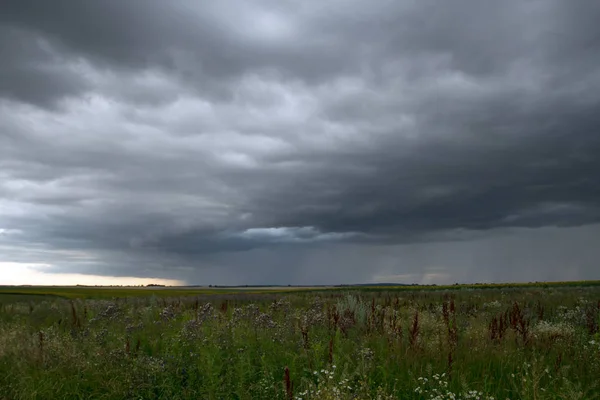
14	273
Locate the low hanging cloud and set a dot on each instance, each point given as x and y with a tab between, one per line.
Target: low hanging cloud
287	142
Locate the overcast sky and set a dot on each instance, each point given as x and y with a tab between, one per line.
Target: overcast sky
299	142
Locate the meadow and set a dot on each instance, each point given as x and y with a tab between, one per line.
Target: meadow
532	341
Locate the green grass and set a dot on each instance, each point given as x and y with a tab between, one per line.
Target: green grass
10	297
109	292
173	343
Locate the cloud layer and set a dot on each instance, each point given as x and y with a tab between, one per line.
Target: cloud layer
292	142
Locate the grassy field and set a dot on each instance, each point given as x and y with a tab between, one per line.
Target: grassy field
530	341
109	292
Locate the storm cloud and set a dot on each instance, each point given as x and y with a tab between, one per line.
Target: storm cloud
301	142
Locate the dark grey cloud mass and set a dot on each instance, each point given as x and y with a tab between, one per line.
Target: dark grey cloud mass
302	142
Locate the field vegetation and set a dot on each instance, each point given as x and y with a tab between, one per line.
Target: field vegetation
458	342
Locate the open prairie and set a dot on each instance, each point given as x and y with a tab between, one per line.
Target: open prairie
536	341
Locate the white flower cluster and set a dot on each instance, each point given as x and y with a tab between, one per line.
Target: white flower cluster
437	389
326	387
575	316
553	330
492	305
594	345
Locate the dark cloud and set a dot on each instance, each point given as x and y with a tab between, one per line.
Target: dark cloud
31	71
294	142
